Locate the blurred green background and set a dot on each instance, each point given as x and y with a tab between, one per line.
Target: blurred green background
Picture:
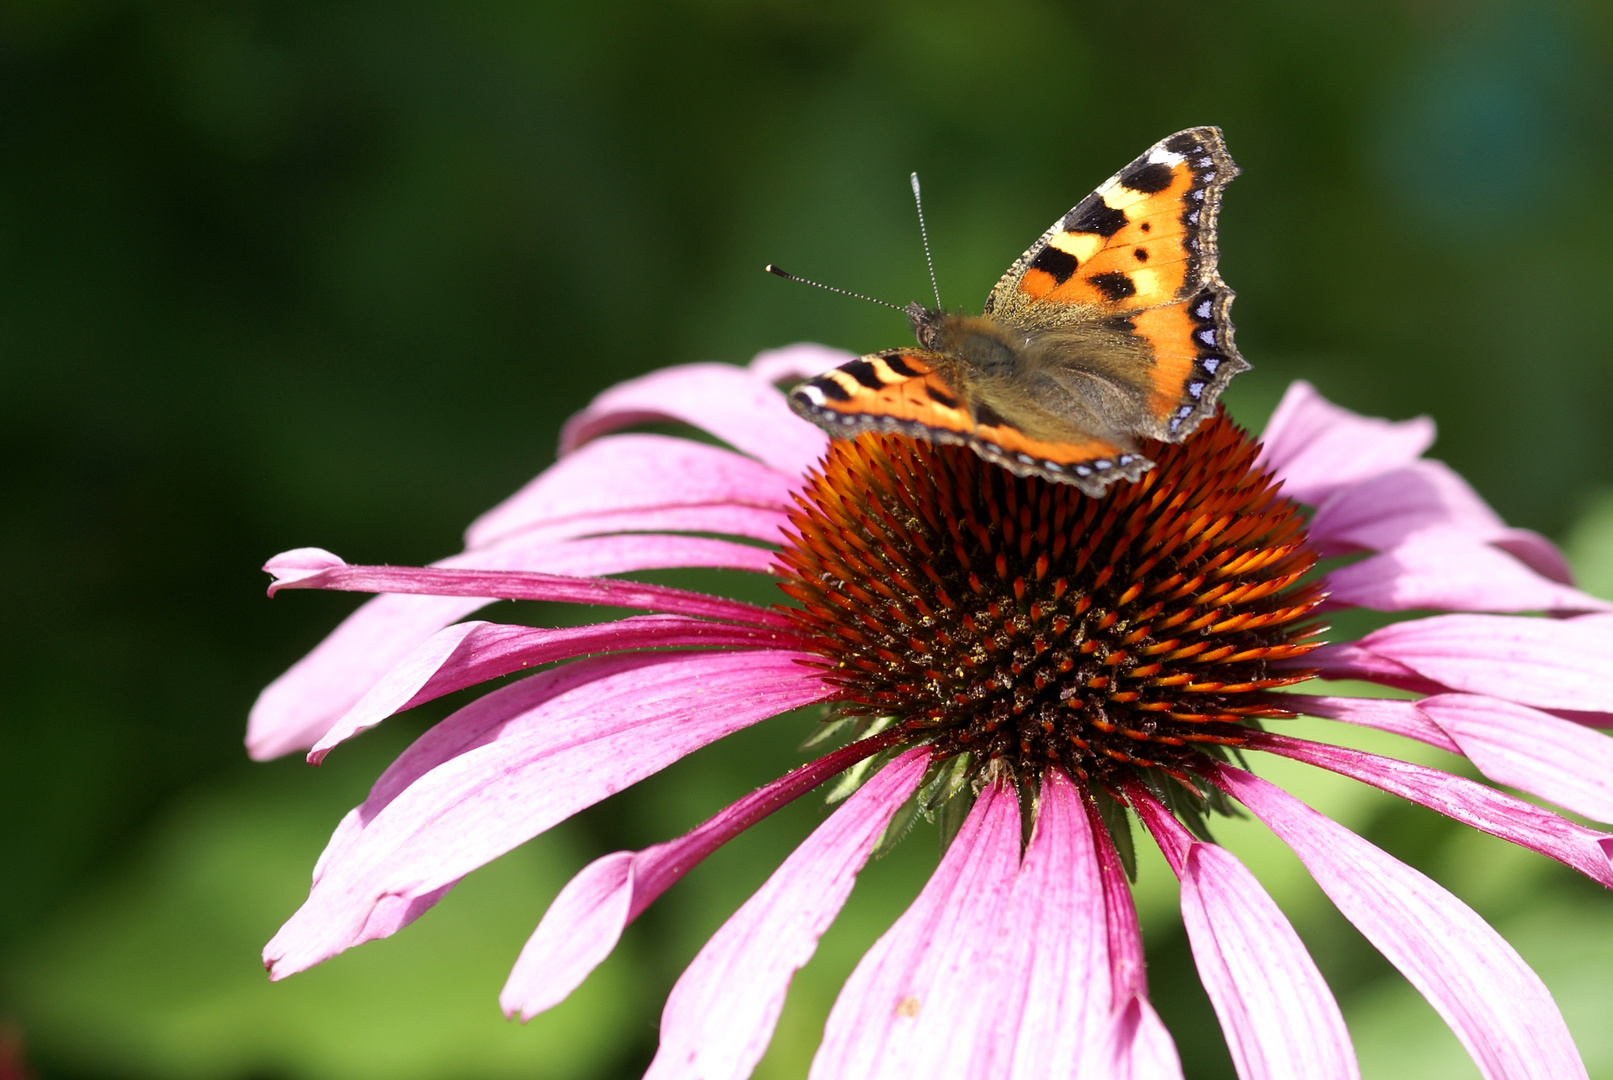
294	273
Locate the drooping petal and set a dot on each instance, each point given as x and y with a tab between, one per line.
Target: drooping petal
557	695
1386	510
1537	553
1348	660
910	1008
1136	1045
1128	969
641	475
586	920
1381	714
1485	809
1557	759
1279	1018
1049	976
721	1014
1383	511
469	653
1450	570
1499	1009
741	408
1546	663
569	753
1317	448
524	585
298	707
795	362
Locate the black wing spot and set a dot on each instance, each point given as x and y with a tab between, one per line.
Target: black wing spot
831	389
1141	254
1184	144
1114	286
1146	227
945	400
895	362
1100	218
864	373
1149	178
1060	264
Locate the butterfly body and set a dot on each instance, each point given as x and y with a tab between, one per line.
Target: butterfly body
1112	328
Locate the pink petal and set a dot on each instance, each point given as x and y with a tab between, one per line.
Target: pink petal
1547	663
1498	1008
1530	750
1135	1045
469	653
1460	799
1557	759
1536	552
1385	510
1383	714
912	1008
565	755
793	363
505	713
1317	448
527	585
1279	1018
565	692
721	1014
1050	973
1127	967
1348	660
297	708
292	712
1447	569
586	920
740	408
639	475
1138	1046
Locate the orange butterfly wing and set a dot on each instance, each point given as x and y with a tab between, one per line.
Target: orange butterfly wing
1141	251
902	391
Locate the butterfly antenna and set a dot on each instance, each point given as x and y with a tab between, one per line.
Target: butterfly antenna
776	272
924	234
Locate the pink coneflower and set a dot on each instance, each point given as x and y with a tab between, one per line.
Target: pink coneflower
1007	656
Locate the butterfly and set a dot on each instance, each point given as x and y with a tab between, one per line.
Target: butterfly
1112	329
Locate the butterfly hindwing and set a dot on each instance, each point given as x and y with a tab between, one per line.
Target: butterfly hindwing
1194	358
905	391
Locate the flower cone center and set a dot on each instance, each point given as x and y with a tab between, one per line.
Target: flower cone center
1024	623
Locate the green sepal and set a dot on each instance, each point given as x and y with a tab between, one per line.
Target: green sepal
856	776
952	814
896	830
828	728
1117	819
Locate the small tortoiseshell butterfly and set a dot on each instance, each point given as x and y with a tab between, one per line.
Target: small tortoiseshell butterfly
1112	328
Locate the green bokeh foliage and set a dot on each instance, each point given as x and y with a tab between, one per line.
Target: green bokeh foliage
289	273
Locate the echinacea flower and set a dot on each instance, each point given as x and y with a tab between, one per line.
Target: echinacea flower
1029	665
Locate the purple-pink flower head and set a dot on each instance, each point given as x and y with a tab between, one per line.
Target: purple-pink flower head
1034	668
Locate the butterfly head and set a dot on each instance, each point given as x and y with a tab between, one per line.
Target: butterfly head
926	323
